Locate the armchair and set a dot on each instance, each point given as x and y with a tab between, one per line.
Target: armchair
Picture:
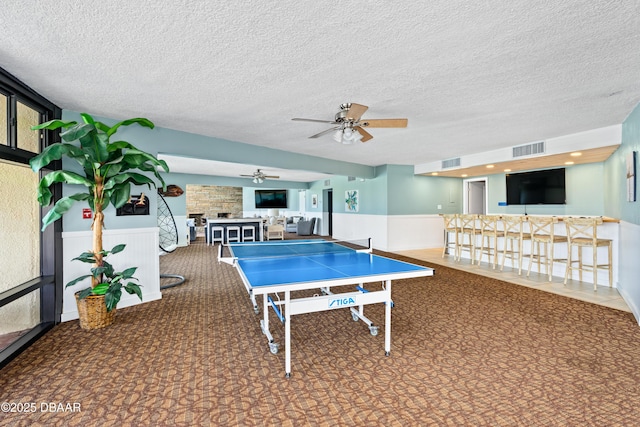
306	228
291	225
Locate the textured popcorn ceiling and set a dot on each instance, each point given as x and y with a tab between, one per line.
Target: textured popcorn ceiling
469	76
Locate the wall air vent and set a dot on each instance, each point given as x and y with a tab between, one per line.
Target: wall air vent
351	178
451	163
327	182
529	149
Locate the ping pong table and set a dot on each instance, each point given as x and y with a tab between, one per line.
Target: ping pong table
270	268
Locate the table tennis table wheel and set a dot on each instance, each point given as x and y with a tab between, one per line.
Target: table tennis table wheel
373	330
354	317
256	309
273	347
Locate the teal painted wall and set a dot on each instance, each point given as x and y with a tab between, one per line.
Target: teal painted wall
394	191
616	204
585	193
410	194
372	194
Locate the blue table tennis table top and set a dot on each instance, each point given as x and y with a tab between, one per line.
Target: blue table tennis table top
271	264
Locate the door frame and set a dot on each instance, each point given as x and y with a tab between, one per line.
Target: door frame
466	188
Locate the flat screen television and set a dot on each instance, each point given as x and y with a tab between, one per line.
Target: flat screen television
544	187
271	199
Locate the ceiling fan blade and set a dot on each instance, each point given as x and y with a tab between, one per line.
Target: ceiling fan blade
356	111
314	120
272	176
248	176
365	135
325	132
384	123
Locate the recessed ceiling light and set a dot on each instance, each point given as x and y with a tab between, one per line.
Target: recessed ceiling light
434	173
507	170
464	175
490	166
576	154
568	163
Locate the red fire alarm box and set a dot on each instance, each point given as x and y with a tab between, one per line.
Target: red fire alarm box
86	213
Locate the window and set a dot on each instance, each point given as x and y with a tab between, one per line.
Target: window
30	272
26	138
20	231
4	128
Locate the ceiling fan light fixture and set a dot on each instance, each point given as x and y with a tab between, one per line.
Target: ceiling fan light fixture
337	136
350	136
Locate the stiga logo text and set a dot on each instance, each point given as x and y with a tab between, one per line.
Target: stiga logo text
341	302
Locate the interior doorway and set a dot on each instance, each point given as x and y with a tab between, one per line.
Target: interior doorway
327	210
475	196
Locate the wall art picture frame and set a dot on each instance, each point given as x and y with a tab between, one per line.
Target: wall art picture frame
351	201
314	200
631	176
136	205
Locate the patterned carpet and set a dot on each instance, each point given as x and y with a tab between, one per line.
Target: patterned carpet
466	351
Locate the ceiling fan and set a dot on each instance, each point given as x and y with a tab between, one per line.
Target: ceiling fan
349	124
259	176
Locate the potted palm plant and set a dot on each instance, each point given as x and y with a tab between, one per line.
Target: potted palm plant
108	170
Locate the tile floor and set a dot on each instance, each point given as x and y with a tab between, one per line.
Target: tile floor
606	296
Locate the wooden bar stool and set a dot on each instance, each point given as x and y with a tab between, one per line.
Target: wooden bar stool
513	226
583	233
542	233
489	235
468	233
450	227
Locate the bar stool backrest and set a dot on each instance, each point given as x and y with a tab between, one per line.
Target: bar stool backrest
450	222
582	229
542	228
468	223
513	226
489	223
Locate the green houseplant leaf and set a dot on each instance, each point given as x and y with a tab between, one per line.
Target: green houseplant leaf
108	170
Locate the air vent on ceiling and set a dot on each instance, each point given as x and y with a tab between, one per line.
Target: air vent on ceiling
351	178
529	149
451	163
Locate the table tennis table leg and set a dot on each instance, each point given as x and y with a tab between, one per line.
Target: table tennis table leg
387	322
264	325
256	310
287	334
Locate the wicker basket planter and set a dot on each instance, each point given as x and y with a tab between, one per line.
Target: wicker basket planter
93	313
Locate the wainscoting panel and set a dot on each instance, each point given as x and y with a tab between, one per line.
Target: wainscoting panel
356	226
142	251
391	233
628	285
408	232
